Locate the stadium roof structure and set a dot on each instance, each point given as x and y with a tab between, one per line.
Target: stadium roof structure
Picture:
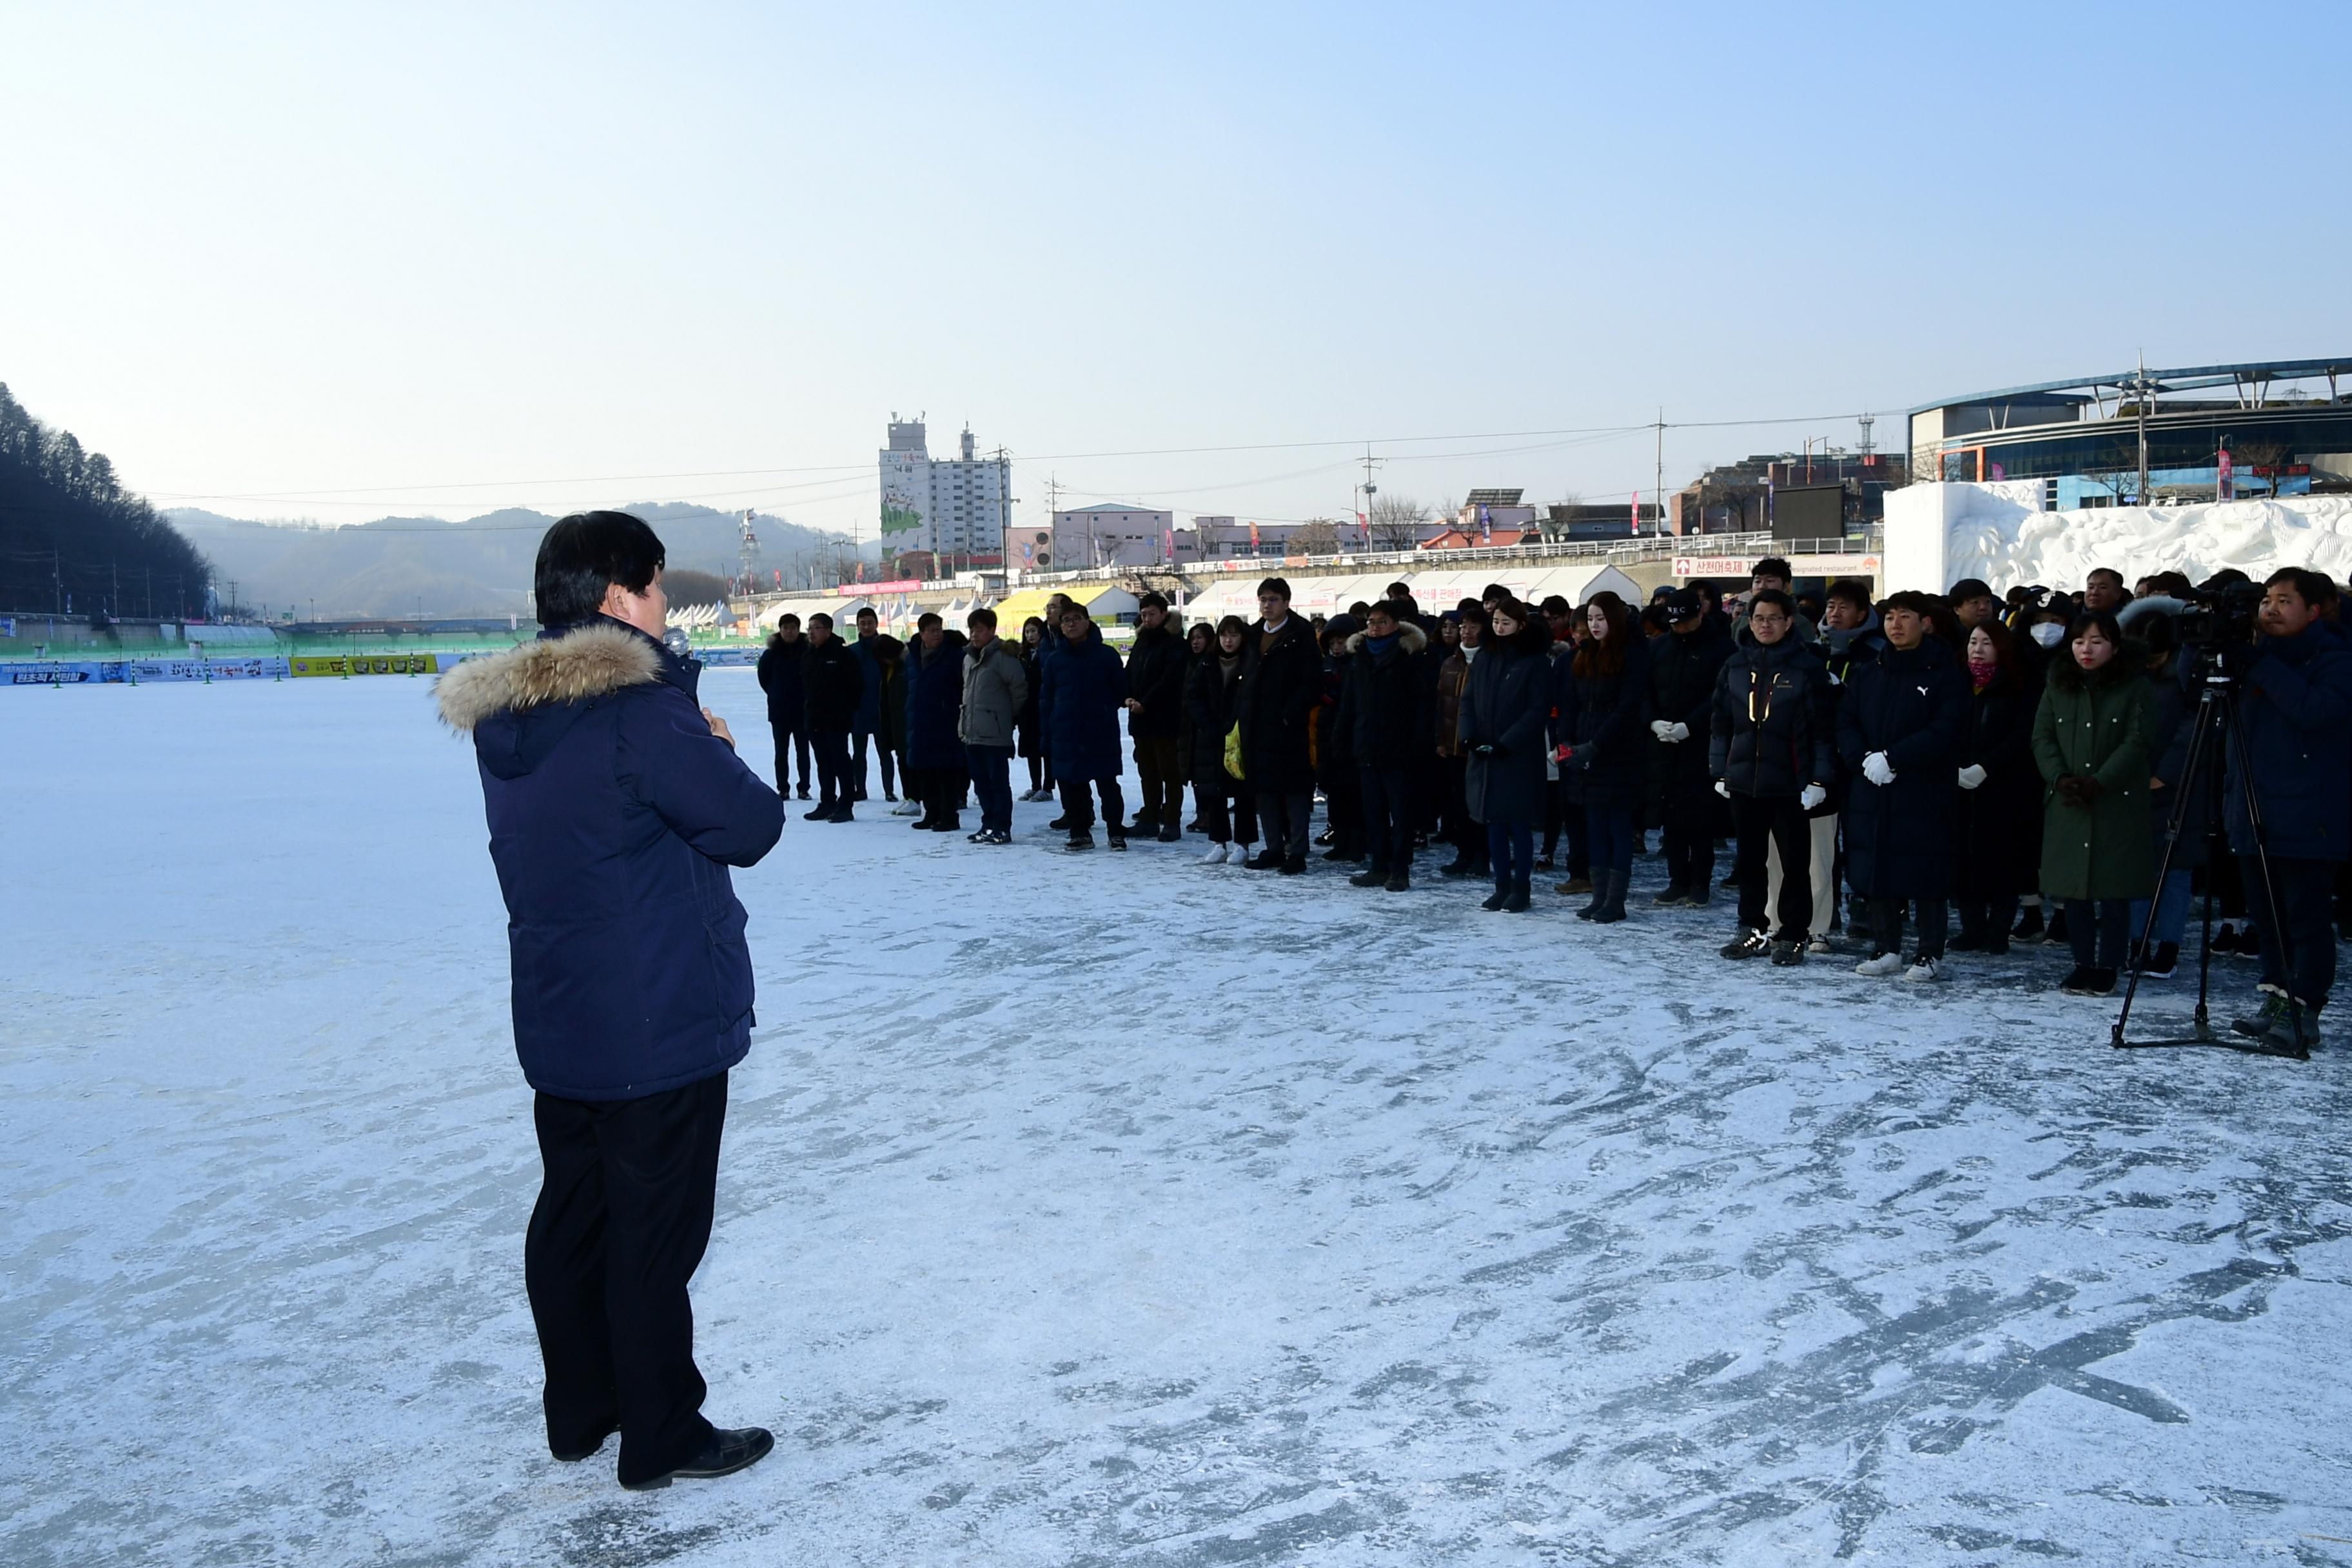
2252	379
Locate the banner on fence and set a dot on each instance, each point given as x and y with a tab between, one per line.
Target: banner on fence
342	664
138	671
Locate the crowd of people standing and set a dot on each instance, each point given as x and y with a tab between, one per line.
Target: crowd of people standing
1922	775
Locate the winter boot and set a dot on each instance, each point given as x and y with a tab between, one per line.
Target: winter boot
1972	930
1266	859
1080	839
1293	865
1368	878
2162	964
1059	825
1494	900
1746	945
2088	980
1613	901
1457	867
2295	1032
1117	839
2029	925
2274	1008
1672	895
1516	904
1168	834
1399	881
1574	886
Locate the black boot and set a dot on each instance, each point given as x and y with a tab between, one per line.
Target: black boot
1516	904
1457	867
1611	907
1494	900
1370	878
1400	881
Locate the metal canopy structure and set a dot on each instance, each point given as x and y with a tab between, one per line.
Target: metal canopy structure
1494	498
2252	381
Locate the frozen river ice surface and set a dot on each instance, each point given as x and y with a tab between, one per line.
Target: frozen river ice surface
1111	1210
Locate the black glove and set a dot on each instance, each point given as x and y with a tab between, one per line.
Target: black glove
2088	790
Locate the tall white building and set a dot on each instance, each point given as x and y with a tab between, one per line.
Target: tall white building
953	508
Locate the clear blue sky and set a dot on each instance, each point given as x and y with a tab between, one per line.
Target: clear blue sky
256	254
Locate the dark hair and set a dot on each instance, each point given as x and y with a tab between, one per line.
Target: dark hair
787	615
1968	588
1554	604
982	616
2317	589
1389	608
2103	571
1706	589
1771	596
1201	633
1149	601
1605	656
928	619
1072	607
1475	612
1359	609
1037	621
864	611
1851	590
1275	586
1773	566
586	553
2004	652
820	615
2100	621
1493	592
1400	590
1470	604
1921	605
1232	624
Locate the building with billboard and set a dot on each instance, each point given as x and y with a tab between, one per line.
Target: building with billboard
2199	433
951	511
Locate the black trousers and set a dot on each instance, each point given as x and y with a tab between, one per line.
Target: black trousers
2303	964
1078	805
1887	919
1287	819
882	749
1760	821
795	737
1228	809
1688	836
939	791
1160	771
623	1217
831	766
1388	799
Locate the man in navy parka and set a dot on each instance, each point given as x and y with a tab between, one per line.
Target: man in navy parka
615	806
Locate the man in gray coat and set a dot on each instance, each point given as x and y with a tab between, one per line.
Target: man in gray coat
994	689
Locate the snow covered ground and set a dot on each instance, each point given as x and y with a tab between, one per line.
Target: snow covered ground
1110	1211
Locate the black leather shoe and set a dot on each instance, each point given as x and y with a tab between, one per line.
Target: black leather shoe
726	1453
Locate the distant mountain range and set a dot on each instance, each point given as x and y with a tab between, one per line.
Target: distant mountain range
411	565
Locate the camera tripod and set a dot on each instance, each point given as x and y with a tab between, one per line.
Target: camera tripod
2219	725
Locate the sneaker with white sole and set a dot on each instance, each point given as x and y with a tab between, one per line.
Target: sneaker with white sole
1819	947
1216	854
1924	969
1882	964
906	808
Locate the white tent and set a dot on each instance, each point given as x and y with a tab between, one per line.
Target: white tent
1228	598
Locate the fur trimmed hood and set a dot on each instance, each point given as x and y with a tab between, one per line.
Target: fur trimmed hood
1410	637
593	660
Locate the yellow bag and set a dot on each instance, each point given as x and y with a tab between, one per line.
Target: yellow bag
1233	752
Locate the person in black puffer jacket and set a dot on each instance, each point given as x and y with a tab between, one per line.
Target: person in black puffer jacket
1155	703
1384	719
1902	722
1228	806
781	663
1335	761
1996	855
934	757
1505	706
1771	755
1603	706
1686	668
833	683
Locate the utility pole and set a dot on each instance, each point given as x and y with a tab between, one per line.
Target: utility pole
1003	506
57	579
2139	394
1659	494
1370	489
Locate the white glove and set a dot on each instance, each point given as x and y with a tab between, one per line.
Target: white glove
1874	768
1972	775
1812	795
1659	727
1675	732
1723	788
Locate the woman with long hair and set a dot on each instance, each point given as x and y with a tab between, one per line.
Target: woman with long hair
2093	738
1997	844
1603	702
1504	705
1227	804
1032	725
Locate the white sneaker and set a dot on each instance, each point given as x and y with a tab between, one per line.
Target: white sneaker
1884	963
1216	854
1924	969
905	808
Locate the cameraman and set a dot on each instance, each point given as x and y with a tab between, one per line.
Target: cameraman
2296	709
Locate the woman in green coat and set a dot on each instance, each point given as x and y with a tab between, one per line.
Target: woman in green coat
2093	741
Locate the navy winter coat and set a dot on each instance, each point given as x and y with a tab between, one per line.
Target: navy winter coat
2297	709
780	667
1155	678
1998	836
613	815
1385	701
934	696
1505	704
1606	719
1912	704
1084	685
1685	670
832	685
